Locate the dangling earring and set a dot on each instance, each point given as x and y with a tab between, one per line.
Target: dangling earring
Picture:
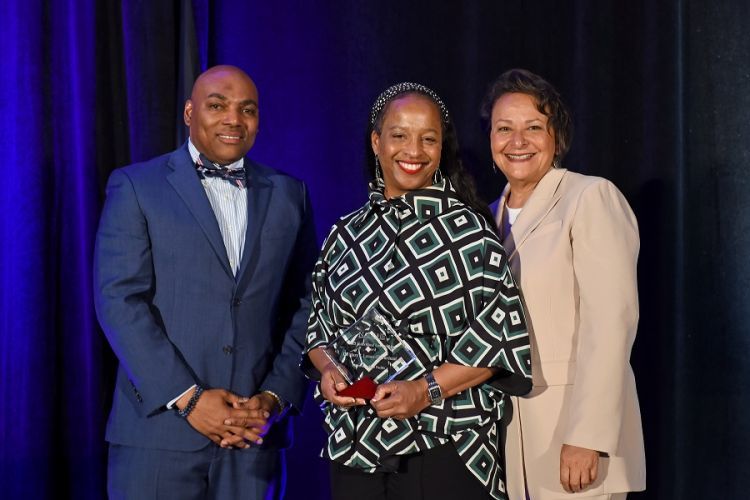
494	168
379	181
555	163
437	177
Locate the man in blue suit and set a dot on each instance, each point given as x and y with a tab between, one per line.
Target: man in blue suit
202	267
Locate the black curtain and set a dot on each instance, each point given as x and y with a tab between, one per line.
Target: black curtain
710	433
660	93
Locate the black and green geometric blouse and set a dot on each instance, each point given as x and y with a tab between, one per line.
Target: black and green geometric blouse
438	270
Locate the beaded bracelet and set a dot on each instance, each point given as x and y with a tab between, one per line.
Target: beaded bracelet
190	406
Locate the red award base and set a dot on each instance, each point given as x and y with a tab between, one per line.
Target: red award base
363	388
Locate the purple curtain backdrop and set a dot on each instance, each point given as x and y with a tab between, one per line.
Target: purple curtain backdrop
51	347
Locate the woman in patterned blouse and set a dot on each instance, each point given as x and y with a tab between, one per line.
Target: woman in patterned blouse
424	252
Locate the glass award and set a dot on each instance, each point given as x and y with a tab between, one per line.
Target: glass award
369	352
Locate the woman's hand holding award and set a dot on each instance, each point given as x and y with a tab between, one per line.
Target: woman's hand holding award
369	352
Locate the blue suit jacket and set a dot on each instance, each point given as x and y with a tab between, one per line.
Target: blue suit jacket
174	313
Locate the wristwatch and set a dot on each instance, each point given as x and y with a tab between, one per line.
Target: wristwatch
280	403
433	390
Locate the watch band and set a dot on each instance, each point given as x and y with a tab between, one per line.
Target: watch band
433	389
280	403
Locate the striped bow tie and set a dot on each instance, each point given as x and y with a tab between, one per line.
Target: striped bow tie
207	168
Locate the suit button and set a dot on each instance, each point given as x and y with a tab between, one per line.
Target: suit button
228	349
236	302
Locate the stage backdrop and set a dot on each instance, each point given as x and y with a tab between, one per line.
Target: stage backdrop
660	93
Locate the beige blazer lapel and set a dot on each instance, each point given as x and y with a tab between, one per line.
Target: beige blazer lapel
541	201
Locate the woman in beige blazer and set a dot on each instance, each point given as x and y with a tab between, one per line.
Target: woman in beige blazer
572	242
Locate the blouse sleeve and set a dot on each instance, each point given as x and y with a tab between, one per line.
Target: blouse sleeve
320	328
497	336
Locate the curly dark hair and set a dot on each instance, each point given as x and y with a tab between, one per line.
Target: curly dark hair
450	160
548	102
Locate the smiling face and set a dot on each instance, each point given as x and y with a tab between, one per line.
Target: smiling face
409	144
222	114
522	143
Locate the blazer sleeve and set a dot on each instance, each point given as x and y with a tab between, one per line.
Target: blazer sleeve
285	378
604	237
123	292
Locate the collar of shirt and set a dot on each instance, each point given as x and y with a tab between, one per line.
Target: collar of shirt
425	203
194	153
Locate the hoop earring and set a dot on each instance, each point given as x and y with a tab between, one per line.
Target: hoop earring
437	177
379	181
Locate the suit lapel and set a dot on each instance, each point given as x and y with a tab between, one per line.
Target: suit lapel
185	181
541	201
499	210
259	190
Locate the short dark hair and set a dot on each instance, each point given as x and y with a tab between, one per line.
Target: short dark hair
547	99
